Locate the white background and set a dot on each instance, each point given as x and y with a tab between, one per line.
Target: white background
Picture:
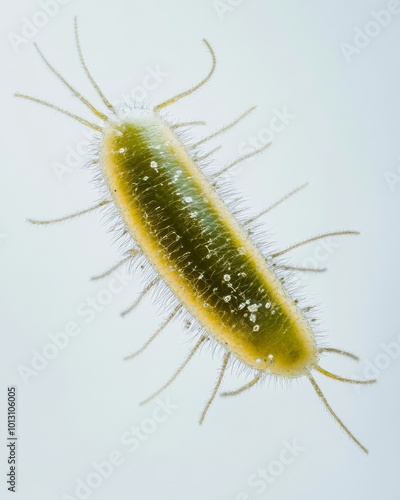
344	139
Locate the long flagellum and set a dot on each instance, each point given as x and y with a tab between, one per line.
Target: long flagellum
47	104
329	408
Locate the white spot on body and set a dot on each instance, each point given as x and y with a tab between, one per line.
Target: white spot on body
154	165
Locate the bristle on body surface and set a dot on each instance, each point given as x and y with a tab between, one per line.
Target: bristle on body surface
197	248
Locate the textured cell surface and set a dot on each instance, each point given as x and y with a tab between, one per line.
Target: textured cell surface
194	244
192	240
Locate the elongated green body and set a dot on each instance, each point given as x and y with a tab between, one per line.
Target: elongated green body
192	240
195	244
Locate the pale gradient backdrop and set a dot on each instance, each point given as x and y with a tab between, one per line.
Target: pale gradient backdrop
343	137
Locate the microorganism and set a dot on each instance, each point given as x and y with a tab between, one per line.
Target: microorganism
199	251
